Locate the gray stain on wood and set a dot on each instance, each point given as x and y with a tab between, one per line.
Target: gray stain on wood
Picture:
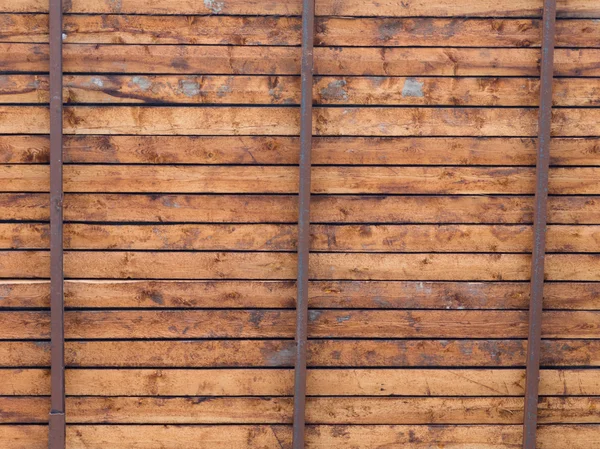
335	90
142	82
412	88
214	6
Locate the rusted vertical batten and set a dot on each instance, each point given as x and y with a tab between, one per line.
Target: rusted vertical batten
308	26
539	227
57	412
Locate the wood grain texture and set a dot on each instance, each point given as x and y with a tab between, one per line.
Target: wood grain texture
282	90
279	382
281	294
322	353
284	180
229	120
164	208
281	266
330	31
566	8
219	182
90	294
273	150
238	60
331	238
318	437
203	410
169	324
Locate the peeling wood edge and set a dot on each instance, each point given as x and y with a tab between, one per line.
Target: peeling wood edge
530	417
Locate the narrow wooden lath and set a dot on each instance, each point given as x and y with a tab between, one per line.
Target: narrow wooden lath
57	411
539	227
308	26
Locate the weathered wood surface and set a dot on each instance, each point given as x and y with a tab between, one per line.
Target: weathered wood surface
164	208
281	294
321	353
282	266
330	31
280	382
566	8
282	90
284	180
318	437
331	238
274	150
238	222
280	324
248	60
328	121
362	410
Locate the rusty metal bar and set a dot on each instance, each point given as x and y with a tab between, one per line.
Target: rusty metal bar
57	412
539	228
308	27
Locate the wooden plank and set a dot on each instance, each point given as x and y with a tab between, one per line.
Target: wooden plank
322	353
24	89
280	294
26	149
566	8
330	31
327	121
283	180
273	150
237	60
320	382
325	266
281	209
146	437
278	90
230	120
203	410
203	237
452	437
450	238
318	437
345	238
179	324
210	89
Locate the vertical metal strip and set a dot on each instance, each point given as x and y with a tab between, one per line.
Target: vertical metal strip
539	227
308	26
57	412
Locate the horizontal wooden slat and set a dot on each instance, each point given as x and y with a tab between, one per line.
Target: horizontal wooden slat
349	238
232	60
568	8
203	410
276	90
213	89
457	32
280	382
325	266
285	150
330	31
282	209
433	91
322	353
318	437
280	324
284	180
467	238
227	120
147	437
281	294
460	437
